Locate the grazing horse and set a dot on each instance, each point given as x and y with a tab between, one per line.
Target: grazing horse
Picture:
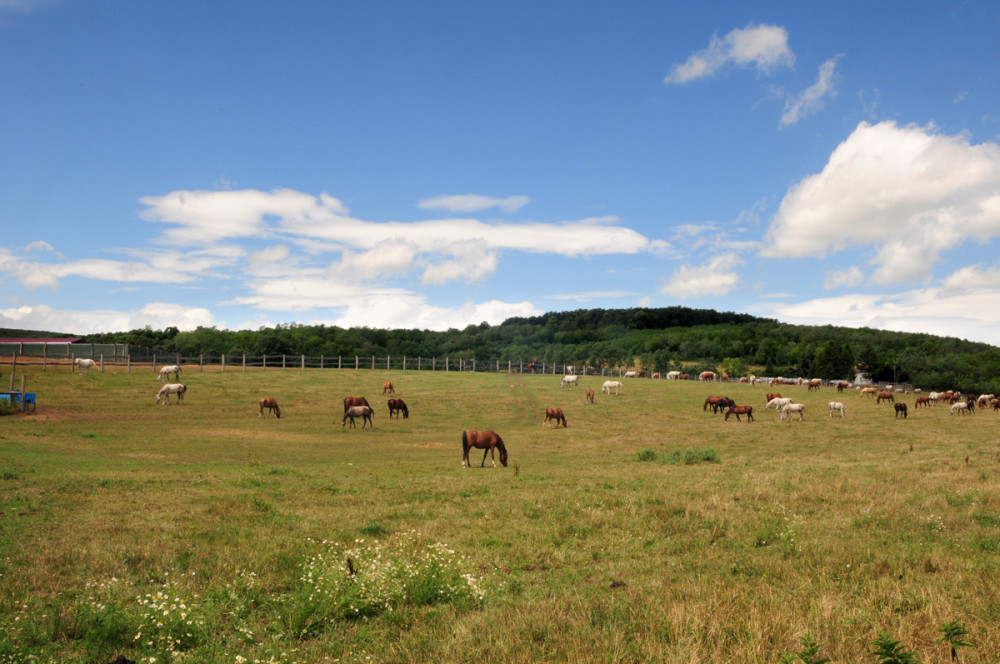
842	385
364	412
815	384
778	404
789	408
771	396
673	375
718	403
84	363
387	388
900	408
922	401
397	406
868	390
482	440
271	405
960	407
609	385
354	401
165	372
885	396
836	405
740	410
171	388
707	375
590	394
570	380
555	414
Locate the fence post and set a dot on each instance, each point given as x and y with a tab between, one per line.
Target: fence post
373	363
244	362
339	358
223	363
45	348
282	361
128	363
320	361
419	361
356	365
303	362
387	365
201	362
102	362
404	363
434	362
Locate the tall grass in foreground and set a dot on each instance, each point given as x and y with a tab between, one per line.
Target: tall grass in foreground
200	533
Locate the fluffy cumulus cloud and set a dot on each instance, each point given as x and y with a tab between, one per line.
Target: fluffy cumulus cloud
715	277
763	47
811	99
155	315
906	193
849	278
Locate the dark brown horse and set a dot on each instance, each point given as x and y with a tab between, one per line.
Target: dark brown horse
740	410
397	406
554	414
482	440
900	408
718	403
885	396
354	401
271	405
364	412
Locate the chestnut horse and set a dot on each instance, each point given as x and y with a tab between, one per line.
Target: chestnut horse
397	406
554	414
771	396
590	394
885	396
354	401
740	410
364	412
271	405
922	401
482	440
387	388
718	403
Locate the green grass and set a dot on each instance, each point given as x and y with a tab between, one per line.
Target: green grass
648	530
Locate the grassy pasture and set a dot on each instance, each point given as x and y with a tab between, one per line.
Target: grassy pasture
589	546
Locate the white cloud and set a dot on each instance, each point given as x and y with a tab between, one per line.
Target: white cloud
385	259
716	277
471	261
970	279
908	192
971	315
851	277
591	295
466	203
764	47
811	99
155	315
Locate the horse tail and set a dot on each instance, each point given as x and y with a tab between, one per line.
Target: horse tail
465	440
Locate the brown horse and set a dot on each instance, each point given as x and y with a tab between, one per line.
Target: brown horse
364	412
354	401
922	401
771	396
885	396
398	406
554	414
718	403
590	394
814	384
387	388
900	408
740	410
271	405
483	440
842	385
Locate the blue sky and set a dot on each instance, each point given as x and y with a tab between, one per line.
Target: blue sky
435	165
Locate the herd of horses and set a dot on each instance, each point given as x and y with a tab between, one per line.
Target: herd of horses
492	444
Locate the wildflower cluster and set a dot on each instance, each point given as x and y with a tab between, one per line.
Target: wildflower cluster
369	578
168	624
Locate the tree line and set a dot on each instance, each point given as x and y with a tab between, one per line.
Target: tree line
660	339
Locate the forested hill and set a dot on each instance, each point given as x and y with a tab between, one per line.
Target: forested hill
653	339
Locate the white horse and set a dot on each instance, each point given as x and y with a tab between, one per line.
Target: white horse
778	403
631	374
673	375
836	405
171	388
84	363
570	380
609	385
961	407
789	408
165	372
